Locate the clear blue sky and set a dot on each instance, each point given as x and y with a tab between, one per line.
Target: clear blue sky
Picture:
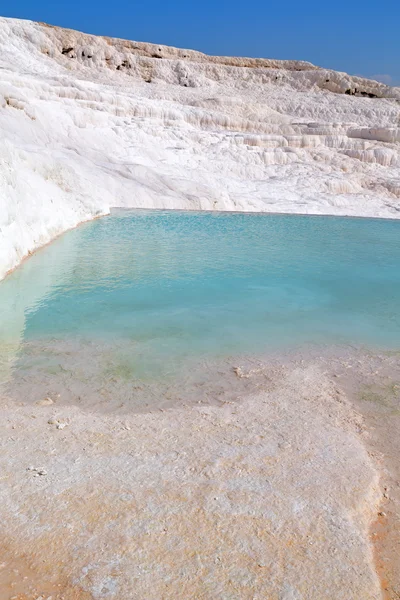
357	36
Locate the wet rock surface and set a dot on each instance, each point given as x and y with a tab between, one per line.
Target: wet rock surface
271	496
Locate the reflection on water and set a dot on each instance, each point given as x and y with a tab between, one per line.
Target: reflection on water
142	295
26	289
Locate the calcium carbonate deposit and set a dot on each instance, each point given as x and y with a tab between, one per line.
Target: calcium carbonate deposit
88	123
268	488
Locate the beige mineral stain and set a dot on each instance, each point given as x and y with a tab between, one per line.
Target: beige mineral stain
22	578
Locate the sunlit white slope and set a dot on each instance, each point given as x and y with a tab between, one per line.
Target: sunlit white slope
89	122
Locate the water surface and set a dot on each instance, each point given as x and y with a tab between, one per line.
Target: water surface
140	295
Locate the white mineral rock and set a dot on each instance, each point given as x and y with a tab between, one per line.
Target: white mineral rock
260	497
88	123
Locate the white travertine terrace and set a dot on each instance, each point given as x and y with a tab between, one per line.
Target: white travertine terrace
268	498
90	122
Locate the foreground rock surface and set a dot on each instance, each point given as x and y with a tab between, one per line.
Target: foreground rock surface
89	123
271	497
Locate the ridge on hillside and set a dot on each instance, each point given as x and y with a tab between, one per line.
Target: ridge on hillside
75	49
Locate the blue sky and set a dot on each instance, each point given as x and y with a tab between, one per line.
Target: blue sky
358	36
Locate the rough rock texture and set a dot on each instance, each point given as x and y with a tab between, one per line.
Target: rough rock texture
88	123
267	498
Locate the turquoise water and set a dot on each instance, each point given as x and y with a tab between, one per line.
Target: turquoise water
166	287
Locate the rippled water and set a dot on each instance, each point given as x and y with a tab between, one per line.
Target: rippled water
143	294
